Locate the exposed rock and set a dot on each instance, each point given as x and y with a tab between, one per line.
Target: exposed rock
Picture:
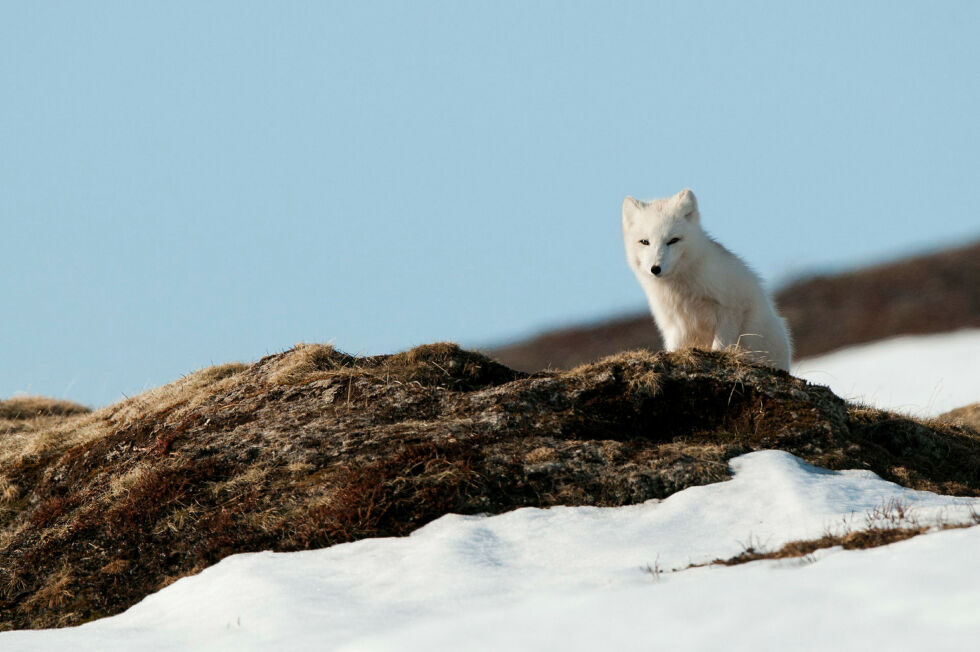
313	447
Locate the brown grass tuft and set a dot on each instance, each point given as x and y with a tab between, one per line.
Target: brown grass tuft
887	523
115	567
443	364
857	540
9	492
968	415
306	361
54	592
29	407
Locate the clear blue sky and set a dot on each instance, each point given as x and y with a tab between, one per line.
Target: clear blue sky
188	183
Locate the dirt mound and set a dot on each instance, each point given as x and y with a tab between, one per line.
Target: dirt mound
32	407
927	294
968	415
313	447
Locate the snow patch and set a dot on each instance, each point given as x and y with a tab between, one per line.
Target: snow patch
922	375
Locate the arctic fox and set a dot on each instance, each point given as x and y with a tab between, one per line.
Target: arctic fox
701	295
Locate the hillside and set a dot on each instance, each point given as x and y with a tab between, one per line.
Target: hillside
933	293
313	447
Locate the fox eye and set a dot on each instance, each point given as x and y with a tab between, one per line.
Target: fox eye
644	242
673	241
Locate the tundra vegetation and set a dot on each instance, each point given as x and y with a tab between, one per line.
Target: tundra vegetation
313	447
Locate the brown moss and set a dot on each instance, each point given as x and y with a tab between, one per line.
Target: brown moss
52	509
389	497
157	491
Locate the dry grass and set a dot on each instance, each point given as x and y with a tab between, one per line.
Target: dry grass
123	483
432	365
968	415
27	423
27	440
9	492
308	362
797	549
29	407
185	394
115	567
35	427
886	524
253	477
179	520
55	591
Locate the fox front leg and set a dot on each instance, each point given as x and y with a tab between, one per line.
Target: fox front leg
726	335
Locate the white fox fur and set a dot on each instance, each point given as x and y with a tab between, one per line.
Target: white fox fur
701	295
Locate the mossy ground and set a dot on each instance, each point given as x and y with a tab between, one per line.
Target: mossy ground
313	447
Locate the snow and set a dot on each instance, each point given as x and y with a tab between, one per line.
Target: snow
920	594
923	375
585	578
578	578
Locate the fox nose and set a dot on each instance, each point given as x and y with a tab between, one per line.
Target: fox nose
655	270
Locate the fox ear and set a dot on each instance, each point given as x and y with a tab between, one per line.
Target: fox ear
631	208
687	204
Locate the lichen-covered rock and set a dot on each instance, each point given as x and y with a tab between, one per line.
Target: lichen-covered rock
313	447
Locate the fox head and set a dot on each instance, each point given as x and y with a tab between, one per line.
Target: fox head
658	234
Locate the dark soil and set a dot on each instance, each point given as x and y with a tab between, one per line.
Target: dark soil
313	447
